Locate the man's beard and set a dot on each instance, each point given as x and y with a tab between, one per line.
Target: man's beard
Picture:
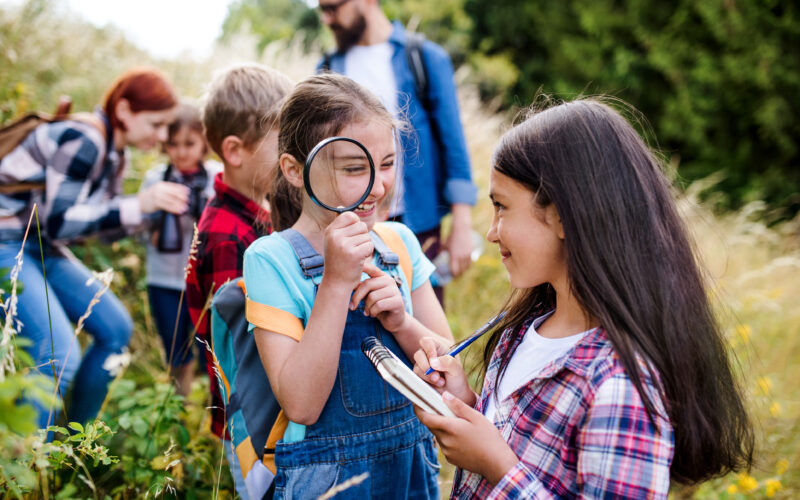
347	37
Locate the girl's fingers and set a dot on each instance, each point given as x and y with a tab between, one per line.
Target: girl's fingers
460	408
436	423
372	270
421	363
388	304
362	290
445	364
429	346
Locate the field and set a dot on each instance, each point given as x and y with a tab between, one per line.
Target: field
148	441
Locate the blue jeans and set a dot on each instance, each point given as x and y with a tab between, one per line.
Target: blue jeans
53	337
178	342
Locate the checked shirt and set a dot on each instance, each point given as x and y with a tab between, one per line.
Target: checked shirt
579	428
229	224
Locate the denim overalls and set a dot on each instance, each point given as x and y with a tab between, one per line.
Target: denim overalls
366	426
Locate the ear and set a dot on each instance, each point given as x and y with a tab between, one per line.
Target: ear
554	220
123	110
292	170
232	148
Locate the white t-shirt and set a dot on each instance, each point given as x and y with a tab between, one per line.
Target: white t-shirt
530	357
371	66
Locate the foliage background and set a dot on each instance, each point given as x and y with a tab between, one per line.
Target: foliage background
717	80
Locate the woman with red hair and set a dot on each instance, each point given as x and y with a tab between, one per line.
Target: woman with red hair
74	170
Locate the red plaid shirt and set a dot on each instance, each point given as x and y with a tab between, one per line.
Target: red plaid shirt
579	428
229	224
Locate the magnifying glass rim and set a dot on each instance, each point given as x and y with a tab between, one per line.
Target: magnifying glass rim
307	174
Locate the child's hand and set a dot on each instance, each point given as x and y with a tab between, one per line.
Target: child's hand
168	196
382	298
469	440
346	246
449	375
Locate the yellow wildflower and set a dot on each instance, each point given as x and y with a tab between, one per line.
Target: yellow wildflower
772	485
744	332
782	466
747	483
733	489
764	385
775	409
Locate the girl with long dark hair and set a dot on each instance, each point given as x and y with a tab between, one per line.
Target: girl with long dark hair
606	374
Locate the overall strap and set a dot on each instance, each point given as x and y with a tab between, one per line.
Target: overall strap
386	257
310	261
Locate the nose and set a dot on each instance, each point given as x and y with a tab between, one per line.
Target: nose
161	133
491	235
381	185
327	17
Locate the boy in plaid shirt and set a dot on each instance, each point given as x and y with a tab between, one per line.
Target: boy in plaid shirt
240	117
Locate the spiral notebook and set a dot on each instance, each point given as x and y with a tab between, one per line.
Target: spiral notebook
399	376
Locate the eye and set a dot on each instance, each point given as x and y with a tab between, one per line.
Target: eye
354	169
387	165
498	206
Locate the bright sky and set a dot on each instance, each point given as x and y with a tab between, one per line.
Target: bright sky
165	28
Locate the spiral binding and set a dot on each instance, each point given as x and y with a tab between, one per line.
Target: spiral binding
375	350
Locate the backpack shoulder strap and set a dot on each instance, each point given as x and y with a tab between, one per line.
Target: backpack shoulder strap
396	245
416	63
327	57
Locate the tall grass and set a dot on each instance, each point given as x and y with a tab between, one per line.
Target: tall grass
753	271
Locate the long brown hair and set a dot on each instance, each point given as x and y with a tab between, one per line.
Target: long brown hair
631	264
319	107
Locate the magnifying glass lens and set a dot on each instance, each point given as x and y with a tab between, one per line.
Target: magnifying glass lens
340	175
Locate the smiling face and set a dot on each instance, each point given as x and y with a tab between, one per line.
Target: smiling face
185	149
340	174
144	129
530	237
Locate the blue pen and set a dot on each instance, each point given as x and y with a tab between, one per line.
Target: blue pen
459	346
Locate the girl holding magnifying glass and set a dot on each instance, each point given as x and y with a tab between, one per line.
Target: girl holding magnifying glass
326	281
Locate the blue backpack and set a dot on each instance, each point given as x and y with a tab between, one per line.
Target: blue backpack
250	406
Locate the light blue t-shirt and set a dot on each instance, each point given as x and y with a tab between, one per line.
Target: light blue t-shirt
273	276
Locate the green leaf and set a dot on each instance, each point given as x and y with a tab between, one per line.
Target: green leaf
139	426
75	426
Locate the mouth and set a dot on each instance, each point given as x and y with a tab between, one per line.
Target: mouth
504	254
366	208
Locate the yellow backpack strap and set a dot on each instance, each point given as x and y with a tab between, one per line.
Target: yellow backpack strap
275	434
396	245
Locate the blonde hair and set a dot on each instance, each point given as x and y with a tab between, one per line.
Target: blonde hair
243	101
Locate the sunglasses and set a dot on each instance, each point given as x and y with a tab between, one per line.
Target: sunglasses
331	8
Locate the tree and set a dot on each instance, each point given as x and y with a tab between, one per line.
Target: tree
714	78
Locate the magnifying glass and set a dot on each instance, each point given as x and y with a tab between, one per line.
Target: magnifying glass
339	174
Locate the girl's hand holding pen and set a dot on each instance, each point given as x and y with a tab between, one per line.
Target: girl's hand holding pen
448	375
469	440
346	247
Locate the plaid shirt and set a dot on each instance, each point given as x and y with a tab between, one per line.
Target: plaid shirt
83	183
579	428
228	225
